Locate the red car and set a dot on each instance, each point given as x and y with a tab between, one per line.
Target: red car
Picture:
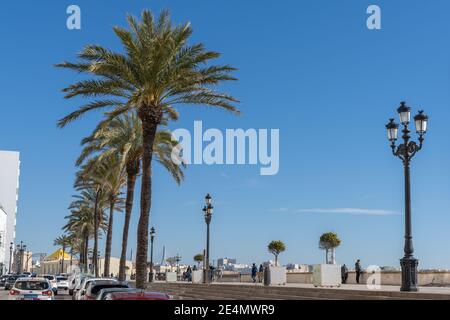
137	296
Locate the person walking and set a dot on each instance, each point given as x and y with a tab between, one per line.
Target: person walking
344	273
260	273
358	270
189	274
254	272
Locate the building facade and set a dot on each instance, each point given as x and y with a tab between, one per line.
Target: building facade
9	195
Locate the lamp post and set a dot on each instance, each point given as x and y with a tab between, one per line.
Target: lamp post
152	238
11	247
207	211
406	151
20	251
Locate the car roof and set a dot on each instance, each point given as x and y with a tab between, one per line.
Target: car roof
32	279
139	295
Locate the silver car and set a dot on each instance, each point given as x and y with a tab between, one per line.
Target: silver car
31	289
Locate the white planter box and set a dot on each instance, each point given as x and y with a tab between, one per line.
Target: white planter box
327	275
171	277
197	276
275	276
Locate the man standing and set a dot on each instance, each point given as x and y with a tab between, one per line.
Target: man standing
358	270
344	274
254	272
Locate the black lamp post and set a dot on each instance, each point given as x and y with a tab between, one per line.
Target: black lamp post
20	251
406	151
152	238
207	211
11	247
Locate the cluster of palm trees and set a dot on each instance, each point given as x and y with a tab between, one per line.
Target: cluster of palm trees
139	87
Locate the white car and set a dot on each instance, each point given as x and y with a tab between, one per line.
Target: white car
62	282
31	289
81	291
75	282
52	279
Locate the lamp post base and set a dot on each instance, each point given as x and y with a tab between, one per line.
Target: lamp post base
409	274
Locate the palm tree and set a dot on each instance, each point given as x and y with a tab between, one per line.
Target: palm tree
64	242
122	136
113	183
81	221
199	258
276	247
92	177
157	70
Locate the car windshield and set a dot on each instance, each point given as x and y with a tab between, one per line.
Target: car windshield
13	278
96	288
61	278
49	277
31	285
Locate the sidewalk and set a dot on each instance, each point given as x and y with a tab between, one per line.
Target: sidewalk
356	287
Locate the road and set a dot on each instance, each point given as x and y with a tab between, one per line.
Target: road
62	295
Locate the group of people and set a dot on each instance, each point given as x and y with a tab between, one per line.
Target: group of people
187	275
358	271
257	274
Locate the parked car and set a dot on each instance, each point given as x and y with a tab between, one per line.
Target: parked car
137	296
81	290
31	289
10	281
53	282
62	283
26	274
94	287
103	292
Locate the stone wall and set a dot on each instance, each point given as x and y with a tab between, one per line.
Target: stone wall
425	278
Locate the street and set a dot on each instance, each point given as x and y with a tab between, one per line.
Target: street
62	295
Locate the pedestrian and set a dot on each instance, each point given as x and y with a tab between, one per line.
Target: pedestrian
189	274
358	270
344	273
254	272
260	273
211	273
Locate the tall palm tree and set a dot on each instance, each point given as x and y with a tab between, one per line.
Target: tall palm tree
113	183
122	135
81	222
92	177
64	242
157	70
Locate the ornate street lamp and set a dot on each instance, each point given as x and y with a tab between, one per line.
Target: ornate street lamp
152	238
406	151
207	211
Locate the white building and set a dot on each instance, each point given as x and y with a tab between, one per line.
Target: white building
9	194
3	242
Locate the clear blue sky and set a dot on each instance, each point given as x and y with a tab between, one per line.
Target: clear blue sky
311	69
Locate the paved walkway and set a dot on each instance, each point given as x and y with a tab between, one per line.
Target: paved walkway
361	287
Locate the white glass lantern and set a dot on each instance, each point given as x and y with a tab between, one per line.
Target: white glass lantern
405	113
421	121
392	130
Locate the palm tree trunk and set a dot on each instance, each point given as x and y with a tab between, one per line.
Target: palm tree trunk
150	123
109	237
62	262
96	223
132	171
86	252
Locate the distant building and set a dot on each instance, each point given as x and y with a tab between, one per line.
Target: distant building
225	261
3	243
295	267
9	195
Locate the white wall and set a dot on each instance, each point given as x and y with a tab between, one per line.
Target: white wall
9	186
